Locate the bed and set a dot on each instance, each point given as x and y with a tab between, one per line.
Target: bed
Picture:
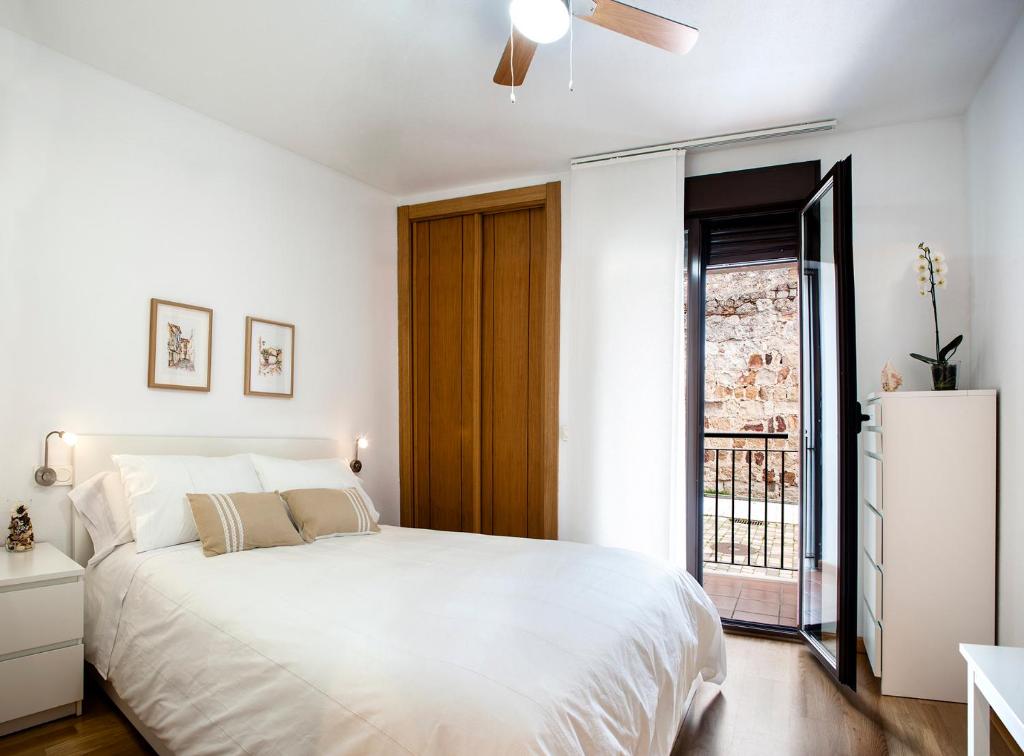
407	641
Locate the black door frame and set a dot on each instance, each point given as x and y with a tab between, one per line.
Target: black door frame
710	200
838	179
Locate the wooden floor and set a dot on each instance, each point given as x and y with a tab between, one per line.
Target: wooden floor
776	701
100	730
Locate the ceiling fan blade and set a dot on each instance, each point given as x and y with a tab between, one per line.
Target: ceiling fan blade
647	27
518	62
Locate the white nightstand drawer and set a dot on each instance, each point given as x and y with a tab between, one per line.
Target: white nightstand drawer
41	681
40	616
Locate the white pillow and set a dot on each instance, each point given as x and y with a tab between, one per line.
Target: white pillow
113	489
156	488
277	474
93	501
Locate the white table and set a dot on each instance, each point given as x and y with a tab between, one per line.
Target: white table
995	679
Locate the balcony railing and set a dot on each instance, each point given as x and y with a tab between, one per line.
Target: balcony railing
747	514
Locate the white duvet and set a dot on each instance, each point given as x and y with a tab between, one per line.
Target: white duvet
405	642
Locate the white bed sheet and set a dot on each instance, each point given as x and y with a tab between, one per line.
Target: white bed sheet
408	641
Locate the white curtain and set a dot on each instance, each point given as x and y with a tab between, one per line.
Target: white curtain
623	459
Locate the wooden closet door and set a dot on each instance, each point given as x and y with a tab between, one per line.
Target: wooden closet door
446	359
513	397
478	362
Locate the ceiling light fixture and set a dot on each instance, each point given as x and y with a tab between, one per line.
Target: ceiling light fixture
542	21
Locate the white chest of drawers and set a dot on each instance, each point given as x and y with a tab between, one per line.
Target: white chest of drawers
928	532
41	652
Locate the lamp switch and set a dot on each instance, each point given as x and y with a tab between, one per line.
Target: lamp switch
65	474
563	432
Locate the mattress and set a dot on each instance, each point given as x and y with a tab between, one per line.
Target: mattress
408	641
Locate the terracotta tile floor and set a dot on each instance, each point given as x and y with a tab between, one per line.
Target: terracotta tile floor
771	602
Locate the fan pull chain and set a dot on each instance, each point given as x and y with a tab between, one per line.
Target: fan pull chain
570	44
512	56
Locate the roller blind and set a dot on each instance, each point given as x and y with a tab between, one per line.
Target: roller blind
624	456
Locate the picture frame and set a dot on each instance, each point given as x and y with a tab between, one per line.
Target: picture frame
269	358
180	346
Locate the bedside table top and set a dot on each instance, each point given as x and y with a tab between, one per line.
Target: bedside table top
44	562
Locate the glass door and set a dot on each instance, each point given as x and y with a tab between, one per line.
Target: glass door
830	423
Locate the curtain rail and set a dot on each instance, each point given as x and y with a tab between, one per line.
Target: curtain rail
721	140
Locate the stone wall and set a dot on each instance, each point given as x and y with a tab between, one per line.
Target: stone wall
752	380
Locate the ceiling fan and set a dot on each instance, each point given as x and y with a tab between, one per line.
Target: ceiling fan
542	21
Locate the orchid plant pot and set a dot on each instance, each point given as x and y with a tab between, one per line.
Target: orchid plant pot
944	376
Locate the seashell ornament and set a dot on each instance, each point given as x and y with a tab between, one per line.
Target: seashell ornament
891	379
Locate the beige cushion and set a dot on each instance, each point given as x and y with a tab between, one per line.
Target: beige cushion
322	512
241	521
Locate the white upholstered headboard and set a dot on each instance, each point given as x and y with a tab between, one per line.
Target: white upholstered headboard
92	455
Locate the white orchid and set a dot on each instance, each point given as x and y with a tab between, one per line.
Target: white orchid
931	269
931	275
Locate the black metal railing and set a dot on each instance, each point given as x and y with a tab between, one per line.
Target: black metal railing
713	457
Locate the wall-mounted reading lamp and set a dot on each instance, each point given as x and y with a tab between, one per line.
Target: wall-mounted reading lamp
361	443
46	475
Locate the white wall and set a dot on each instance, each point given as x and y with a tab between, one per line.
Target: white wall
995	152
110	195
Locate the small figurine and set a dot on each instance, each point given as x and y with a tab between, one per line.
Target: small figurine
891	380
21	537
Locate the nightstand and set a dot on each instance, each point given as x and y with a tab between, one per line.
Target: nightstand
41	652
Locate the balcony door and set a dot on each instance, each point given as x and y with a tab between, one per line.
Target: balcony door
830	424
742	391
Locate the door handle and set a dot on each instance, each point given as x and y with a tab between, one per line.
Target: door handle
861	417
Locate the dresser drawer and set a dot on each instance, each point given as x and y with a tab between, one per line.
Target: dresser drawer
872	579
873	482
40	616
40	681
872	523
872	441
874	412
873	642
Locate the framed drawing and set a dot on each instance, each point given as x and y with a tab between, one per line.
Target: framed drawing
269	358
180	346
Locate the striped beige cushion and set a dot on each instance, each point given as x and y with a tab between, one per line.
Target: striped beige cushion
323	512
241	521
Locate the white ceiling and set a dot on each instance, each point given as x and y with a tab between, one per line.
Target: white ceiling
398	93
